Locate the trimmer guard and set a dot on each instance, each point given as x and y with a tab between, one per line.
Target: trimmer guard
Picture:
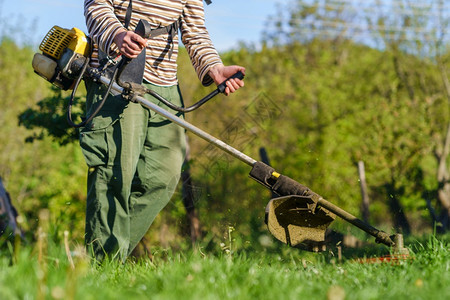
298	221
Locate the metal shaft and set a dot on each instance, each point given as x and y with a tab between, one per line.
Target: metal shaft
380	236
195	130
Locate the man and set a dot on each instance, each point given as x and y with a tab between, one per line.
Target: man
134	155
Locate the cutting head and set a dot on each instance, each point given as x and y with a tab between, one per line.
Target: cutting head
298	222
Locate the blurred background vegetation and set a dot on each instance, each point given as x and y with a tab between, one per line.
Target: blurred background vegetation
333	83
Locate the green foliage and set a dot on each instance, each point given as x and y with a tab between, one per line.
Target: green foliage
50	117
41	174
336	103
333	103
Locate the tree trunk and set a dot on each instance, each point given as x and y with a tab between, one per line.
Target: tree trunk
443	177
189	199
441	153
399	218
189	205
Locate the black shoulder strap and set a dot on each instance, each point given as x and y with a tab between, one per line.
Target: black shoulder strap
128	14
170	29
130	9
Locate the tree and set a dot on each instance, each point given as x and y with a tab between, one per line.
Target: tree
389	107
424	34
49	116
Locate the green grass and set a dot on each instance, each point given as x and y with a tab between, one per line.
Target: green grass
284	274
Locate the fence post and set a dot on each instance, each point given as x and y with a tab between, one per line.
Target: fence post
364	193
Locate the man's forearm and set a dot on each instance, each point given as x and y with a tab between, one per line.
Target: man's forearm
101	22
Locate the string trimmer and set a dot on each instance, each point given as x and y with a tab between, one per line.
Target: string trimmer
299	217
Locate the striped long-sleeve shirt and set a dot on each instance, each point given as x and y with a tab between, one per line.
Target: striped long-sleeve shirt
105	17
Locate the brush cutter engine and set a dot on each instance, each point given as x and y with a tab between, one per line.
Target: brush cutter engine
64	52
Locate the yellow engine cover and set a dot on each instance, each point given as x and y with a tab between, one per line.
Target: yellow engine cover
79	44
57	39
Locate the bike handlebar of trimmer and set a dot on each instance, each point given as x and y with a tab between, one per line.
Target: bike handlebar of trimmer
220	89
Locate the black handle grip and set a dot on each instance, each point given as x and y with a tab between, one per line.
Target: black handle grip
143	28
221	87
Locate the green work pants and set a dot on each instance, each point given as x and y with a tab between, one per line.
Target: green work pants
134	158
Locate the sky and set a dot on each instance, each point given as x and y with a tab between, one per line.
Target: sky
228	21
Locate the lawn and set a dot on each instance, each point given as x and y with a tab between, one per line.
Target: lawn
287	273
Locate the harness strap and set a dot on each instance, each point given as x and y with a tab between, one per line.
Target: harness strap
128	14
171	29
